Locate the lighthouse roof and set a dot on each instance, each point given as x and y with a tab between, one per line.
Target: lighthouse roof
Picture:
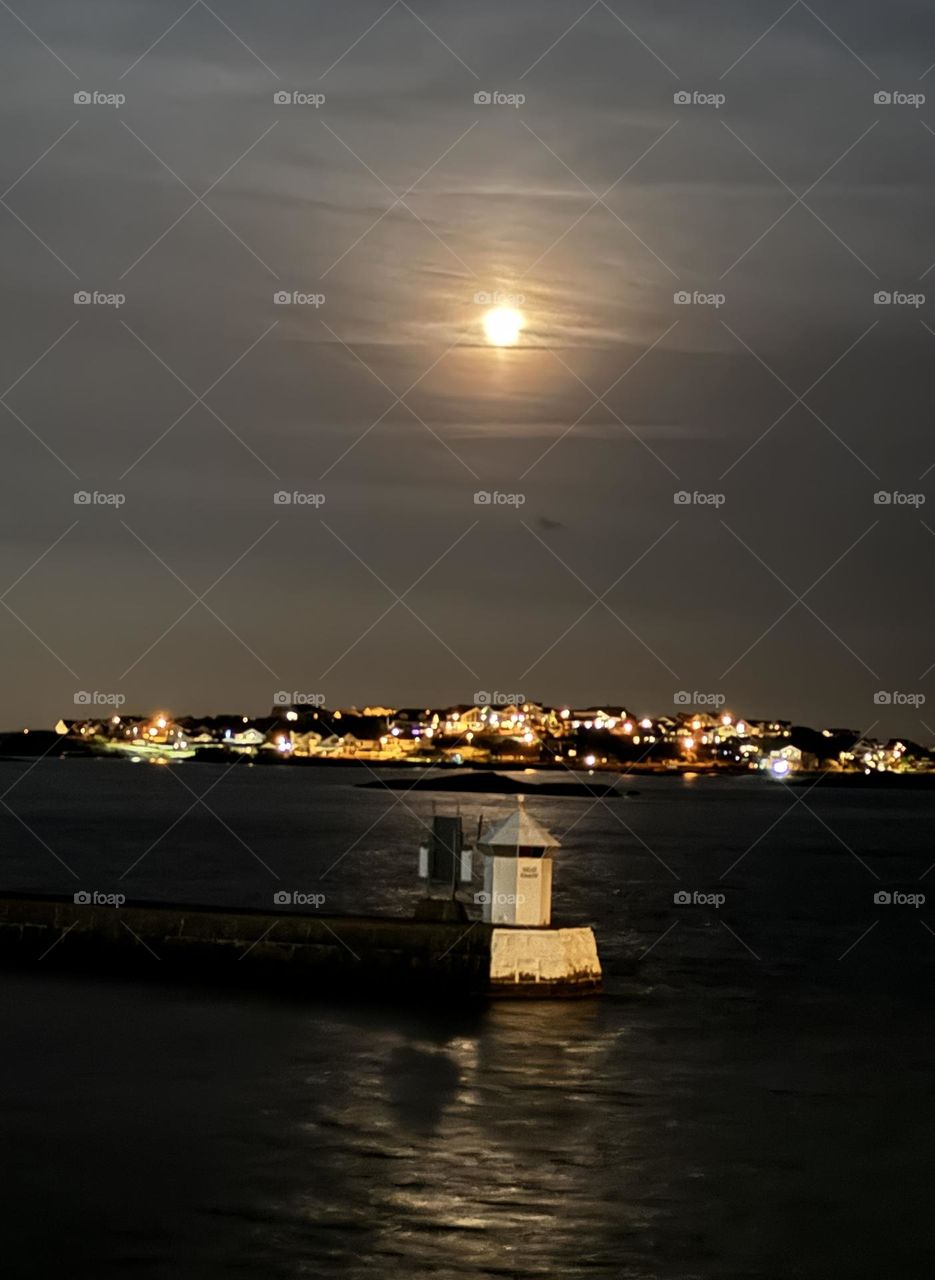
519	830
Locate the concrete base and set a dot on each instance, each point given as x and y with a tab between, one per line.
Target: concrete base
543	962
322	955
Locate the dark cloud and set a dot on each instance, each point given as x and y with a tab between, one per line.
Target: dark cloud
619	399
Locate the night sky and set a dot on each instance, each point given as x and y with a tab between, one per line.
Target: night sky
781	198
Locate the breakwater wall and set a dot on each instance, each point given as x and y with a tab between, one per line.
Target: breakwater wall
322	954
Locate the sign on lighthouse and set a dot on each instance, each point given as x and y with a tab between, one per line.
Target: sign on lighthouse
518	871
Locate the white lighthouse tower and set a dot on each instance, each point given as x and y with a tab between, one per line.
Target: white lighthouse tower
526	954
518	871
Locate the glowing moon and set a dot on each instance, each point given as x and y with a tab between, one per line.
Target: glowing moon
503	325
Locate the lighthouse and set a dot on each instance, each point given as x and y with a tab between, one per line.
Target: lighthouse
518	871
515	945
529	955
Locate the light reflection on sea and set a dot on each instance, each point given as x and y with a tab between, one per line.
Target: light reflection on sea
722	1112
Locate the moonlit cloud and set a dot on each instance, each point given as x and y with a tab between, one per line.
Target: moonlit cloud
616	397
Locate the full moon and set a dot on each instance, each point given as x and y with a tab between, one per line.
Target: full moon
503	326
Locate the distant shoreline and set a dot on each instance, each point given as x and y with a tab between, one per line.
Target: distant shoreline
638	769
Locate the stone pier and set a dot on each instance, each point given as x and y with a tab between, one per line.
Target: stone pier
319	954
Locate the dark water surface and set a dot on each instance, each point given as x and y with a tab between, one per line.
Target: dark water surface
755	1102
